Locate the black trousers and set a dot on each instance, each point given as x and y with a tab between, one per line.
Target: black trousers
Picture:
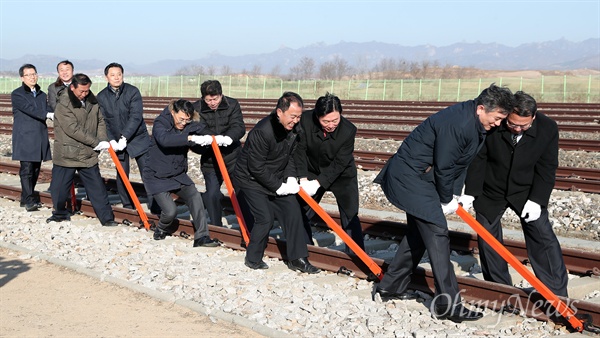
29	173
347	202
212	197
422	236
543	250
260	211
125	161
191	197
62	179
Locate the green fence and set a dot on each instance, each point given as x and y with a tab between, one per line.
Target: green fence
582	89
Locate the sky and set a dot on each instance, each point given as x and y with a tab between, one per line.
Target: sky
141	32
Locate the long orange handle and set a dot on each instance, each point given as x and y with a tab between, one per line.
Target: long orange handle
376	269
73	198
560	306
132	194
232	196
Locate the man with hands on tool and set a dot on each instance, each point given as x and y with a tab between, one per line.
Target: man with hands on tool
516	169
325	162
123	111
223	118
174	133
79	136
265	184
422	179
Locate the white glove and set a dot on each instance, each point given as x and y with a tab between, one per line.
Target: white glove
292	185
223	140
202	140
531	211
283	189
122	143
310	187
50	116
466	201
450	207
103	145
114	144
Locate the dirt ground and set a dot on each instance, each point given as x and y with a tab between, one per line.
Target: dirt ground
38	298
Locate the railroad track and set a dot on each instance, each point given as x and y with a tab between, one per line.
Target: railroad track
476	291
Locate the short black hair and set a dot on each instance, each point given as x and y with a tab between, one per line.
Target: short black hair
327	104
525	104
65	62
287	98
80	79
211	87
25	66
112	65
495	97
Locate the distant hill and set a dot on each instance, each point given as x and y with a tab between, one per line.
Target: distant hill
550	55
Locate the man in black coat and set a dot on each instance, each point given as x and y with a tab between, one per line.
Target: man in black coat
265	184
123	111
30	144
325	162
223	118
175	132
422	179
516	168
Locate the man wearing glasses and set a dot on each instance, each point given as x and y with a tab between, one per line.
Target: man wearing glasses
30	144
516	169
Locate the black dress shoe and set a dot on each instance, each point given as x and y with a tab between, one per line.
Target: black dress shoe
388	295
456	313
31	207
55	218
302	265
110	224
510	309
159	234
255	266
206	242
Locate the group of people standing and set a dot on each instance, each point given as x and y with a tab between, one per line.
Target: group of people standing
505	151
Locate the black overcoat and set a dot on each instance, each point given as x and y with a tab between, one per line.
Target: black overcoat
30	133
328	158
226	120
431	163
124	116
502	173
267	158
167	165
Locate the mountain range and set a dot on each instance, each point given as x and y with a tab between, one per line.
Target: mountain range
560	55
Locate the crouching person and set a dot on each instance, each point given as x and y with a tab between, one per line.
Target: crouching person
174	133
266	185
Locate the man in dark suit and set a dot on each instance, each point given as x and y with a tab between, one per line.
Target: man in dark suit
421	179
516	168
30	144
324	162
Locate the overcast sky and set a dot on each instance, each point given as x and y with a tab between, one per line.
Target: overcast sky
130	31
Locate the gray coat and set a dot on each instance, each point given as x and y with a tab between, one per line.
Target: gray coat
430	165
124	116
54	92
30	133
77	131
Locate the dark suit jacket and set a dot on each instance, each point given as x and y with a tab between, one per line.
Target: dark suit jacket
502	174
326	158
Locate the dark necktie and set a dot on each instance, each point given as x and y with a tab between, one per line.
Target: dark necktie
514	139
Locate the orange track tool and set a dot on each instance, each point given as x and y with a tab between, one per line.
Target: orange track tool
134	198
376	269
559	305
231	191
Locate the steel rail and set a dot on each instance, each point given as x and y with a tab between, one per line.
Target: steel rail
477	292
